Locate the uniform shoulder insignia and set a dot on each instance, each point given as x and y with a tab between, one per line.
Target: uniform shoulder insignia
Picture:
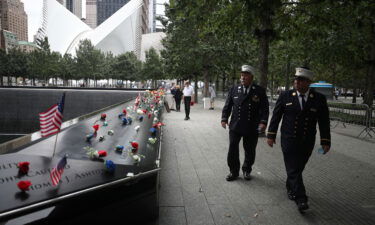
294	93
311	95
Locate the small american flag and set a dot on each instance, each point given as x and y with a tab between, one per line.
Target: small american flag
58	171
51	120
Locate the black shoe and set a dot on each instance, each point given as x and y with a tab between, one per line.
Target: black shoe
302	205
232	177
186	118
291	196
246	175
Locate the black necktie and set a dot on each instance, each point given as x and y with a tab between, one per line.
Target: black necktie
303	101
246	90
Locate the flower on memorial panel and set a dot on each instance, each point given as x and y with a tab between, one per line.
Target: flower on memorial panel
152	140
137	128
23	167
144	111
134	144
105	124
110	166
140	118
153	131
124	112
96	127
139	111
158	125
130	120
103	116
111	132
149	115
102	153
24	185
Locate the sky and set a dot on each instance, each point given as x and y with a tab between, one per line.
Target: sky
33	10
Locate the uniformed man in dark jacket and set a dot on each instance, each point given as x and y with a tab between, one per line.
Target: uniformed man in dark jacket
248	105
301	109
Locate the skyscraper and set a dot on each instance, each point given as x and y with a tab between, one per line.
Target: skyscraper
13	18
91	13
106	8
74	6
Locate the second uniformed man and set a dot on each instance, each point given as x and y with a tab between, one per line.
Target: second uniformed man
247	104
301	109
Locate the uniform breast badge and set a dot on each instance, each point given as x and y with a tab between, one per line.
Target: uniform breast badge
255	98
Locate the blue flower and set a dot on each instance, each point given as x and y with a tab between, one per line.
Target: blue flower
110	165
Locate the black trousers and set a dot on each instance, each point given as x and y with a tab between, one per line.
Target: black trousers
249	145
178	103
187	100
296	155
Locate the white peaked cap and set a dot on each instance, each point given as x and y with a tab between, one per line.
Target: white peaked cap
302	72
248	69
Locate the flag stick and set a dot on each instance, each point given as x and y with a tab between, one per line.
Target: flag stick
54	148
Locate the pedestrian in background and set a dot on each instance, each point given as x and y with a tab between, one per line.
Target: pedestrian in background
188	93
212	92
301	109
177	97
247	105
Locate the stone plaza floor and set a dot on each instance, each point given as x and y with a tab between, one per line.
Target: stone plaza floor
340	185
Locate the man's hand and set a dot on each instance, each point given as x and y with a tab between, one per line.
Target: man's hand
262	127
224	125
270	142
326	148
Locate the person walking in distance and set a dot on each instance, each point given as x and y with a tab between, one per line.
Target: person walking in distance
301	109
177	97
212	92
188	93
247	105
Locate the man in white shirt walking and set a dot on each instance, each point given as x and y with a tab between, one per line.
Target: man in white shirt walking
188	94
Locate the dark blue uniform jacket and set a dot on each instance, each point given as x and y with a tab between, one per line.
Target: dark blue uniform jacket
247	110
301	124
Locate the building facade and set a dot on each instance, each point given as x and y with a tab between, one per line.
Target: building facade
74	6
13	18
26	46
8	40
91	13
106	8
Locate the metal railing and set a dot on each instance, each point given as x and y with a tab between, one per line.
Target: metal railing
356	114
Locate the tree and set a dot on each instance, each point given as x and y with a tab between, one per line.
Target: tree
152	68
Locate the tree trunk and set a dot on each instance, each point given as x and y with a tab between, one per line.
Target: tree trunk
287	81
354	100
264	41
206	82
224	84
371	71
1	81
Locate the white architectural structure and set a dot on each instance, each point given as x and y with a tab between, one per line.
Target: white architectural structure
151	40
118	34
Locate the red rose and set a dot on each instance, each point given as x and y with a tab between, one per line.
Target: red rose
102	153
191	103
144	111
135	145
103	116
23	167
149	115
24	185
96	127
124	111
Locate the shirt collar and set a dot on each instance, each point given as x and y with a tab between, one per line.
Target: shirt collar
306	94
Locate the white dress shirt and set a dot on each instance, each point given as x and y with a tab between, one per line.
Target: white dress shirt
188	91
305	97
